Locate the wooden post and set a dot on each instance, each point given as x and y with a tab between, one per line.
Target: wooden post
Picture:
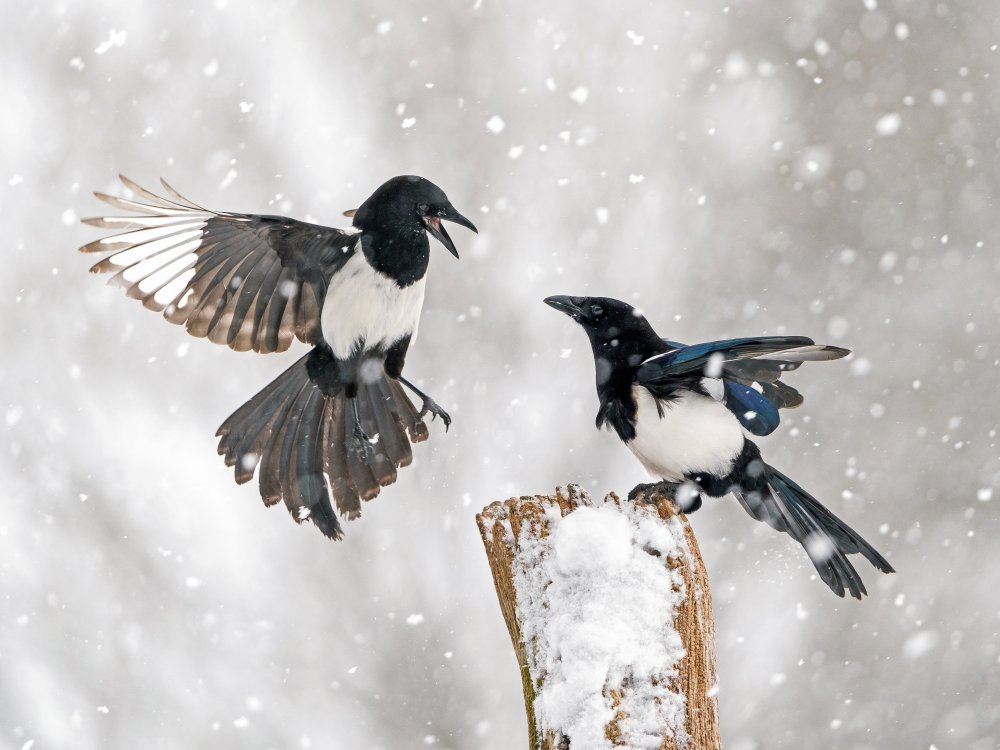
549	576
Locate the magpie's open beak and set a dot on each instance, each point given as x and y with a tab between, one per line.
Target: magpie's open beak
433	224
567	305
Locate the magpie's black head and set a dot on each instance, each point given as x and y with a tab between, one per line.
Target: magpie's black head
602	317
410	203
617	331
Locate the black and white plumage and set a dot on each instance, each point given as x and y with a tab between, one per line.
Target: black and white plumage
684	412
337	422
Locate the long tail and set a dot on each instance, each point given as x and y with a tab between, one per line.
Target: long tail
784	506
302	441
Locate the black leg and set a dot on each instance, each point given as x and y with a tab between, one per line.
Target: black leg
362	442
429	405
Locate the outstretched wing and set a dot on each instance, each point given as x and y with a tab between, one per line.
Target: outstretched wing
687	360
245	280
750	369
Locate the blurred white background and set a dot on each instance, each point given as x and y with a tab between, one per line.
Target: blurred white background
814	167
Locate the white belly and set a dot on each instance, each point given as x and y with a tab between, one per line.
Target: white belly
695	434
364	307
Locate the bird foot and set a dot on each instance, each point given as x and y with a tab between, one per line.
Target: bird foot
430	406
686	496
643	493
361	443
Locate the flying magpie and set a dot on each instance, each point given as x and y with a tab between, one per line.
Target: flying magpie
337	422
684	411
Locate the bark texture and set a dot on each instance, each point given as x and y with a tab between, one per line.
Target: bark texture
505	525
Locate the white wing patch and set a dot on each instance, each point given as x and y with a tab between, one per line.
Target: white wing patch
244	294
156	259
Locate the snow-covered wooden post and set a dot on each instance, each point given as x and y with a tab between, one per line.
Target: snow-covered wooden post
608	608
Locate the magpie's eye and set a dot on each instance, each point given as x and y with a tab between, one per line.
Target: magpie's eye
596	310
423	208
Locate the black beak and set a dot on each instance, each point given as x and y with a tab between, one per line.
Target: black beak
433	224
568	305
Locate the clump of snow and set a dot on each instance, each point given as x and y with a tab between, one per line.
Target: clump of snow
115	39
838	327
596	599
888	124
637	39
919	644
495	124
820	547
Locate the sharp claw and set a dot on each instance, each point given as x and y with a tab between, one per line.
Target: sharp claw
431	407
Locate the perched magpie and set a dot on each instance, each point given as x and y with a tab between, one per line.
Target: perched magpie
337	421
682	410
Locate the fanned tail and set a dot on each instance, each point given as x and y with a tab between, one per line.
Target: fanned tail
785	506
301	440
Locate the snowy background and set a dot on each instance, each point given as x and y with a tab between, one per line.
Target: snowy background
814	167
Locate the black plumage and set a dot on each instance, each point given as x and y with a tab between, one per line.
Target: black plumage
682	411
303	439
249	281
337	424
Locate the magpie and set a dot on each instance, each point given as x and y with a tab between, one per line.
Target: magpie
337	422
684	412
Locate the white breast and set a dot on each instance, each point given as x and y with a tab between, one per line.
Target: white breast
695	434
365	307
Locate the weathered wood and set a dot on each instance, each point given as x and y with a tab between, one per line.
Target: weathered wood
506	527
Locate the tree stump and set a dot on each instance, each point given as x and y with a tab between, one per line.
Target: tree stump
609	611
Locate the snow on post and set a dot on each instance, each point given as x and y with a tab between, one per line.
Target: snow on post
608	608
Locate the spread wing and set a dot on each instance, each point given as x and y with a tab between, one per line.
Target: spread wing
750	369
245	280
